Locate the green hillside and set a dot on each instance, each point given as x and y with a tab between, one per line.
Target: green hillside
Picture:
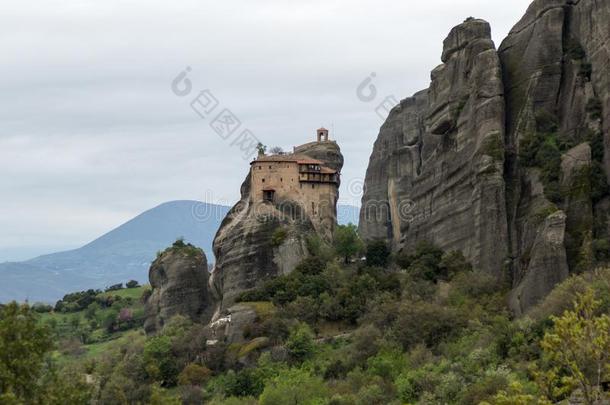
419	328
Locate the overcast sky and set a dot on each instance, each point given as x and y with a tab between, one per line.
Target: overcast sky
92	134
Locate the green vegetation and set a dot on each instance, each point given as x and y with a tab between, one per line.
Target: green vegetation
578	349
418	327
279	236
493	146
180	247
594	108
543	149
27	373
85	323
347	241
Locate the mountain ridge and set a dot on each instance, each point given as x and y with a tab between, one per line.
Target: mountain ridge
120	254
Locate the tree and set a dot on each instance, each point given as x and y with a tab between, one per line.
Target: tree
294	387
261	148
515	395
579	345
347	241
24	342
300	343
276	150
132	284
194	374
377	253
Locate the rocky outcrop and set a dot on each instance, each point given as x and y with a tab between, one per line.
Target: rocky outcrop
259	240
555	65
451	164
179	280
547	266
436	168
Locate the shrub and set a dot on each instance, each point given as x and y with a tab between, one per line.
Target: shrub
599	183
377	253
585	70
594	108
179	243
601	249
160	364
114	287
194	374
546	122
41	307
300	343
575	50
278	237
319	248
424	263
426	322
294	387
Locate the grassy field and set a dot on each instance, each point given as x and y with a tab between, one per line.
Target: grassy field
90	332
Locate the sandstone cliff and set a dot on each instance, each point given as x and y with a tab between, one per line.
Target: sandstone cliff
506	156
179	280
436	168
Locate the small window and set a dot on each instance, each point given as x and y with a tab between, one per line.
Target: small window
269	166
281	180
263	180
312	186
268	195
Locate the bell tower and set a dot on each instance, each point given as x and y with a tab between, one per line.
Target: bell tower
322	134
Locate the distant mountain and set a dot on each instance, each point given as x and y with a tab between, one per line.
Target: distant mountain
122	254
347	214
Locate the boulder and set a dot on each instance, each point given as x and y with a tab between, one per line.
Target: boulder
179	280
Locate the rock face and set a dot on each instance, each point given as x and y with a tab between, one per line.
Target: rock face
436	168
259	240
555	65
547	266
449	164
179	281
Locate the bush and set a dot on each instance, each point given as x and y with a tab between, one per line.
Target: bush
424	263
594	108
426	322
179	243
575	50
377	253
114	287
294	387
194	374
546	122
300	343
599	183
160	363
601	249
41	307
278	237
